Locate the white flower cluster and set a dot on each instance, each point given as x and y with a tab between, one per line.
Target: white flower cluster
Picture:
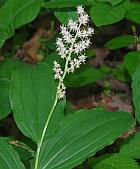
75	40
58	71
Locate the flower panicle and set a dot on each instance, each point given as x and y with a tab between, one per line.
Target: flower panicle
74	40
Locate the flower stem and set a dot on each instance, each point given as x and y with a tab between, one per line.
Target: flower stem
44	131
54	105
49	118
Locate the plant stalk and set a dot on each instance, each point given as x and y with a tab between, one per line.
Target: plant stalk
54	105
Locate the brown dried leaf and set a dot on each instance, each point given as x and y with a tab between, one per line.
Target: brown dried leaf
31	47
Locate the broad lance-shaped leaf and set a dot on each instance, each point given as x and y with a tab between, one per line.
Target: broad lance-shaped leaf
120	42
133	12
88	75
4	97
131	146
63	16
6	68
67	3
2	3
114	161
131	60
81	135
105	14
136	91
8	65
15	13
32	94
9	158
113	2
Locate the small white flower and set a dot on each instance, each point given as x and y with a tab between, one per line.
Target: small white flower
87	43
77	48
62	52
83	19
73	25
57	76
61	90
81	46
56	64
71	67
66	34
80	10
90	31
59	43
68	38
63	29
74	64
85	34
79	33
77	63
57	70
82	58
82	34
61	94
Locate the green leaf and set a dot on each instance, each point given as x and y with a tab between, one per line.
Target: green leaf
6	68
131	146
2	3
64	15
115	161
131	60
120	72
83	76
54	56
8	65
126	5
4	98
133	13
113	2
67	3
9	158
69	108
15	13
81	135
136	91
105	14
120	42
91	53
32	94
